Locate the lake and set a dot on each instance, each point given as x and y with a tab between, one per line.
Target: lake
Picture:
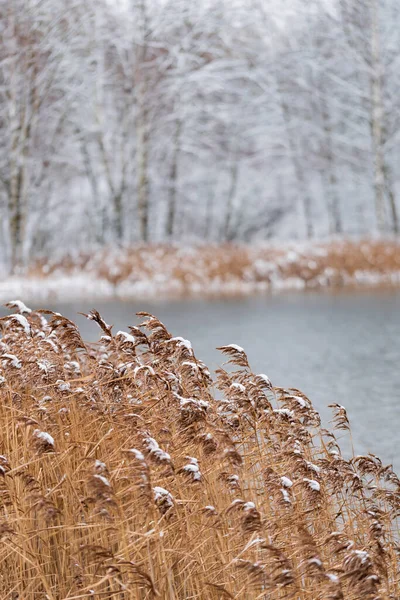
336	347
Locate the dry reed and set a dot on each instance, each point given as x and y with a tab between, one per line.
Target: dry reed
124	474
233	269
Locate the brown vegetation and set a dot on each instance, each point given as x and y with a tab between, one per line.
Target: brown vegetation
234	268
123	475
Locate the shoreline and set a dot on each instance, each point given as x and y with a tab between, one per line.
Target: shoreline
211	272
75	289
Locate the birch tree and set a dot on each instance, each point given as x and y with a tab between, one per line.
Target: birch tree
33	109
363	24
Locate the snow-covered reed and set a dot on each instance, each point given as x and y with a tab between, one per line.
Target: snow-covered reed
123	475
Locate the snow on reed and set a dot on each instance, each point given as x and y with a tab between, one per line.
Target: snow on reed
123	475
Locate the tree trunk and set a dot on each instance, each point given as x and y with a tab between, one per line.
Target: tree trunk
16	219
393	210
377	113
116	191
119	229
173	182
335	217
100	216
333	206
142	179
308	216
16	185
301	184
142	137
392	200
20	132
208	222
234	172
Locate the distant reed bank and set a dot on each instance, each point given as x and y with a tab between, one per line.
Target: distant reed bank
225	270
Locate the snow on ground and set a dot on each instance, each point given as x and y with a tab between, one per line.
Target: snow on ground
147	272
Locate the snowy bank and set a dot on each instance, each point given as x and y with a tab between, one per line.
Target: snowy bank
228	270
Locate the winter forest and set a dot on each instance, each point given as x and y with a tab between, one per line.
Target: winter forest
217	120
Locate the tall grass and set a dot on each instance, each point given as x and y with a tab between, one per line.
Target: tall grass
230	268
128	473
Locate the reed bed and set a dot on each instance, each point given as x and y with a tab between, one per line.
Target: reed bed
128	472
228	269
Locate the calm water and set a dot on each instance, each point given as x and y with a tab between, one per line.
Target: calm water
341	348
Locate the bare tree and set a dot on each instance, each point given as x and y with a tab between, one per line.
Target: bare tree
218	120
363	22
31	70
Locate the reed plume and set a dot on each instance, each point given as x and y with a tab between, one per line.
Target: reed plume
124	474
